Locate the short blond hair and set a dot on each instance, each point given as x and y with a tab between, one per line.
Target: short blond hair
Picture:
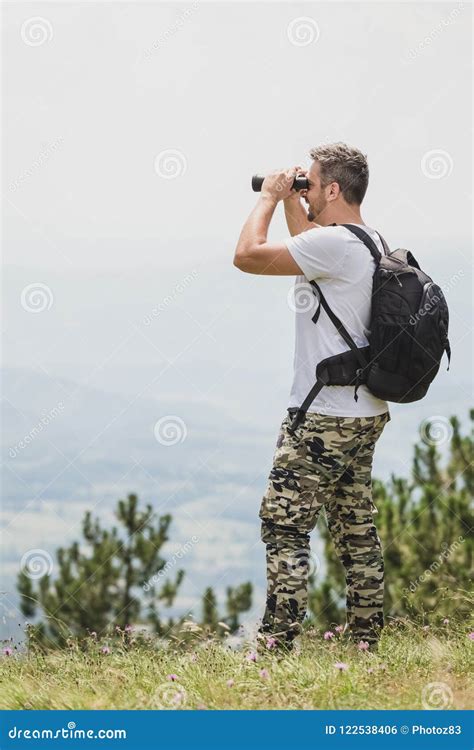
345	165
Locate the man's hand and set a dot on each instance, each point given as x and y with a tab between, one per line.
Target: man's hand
296	195
278	185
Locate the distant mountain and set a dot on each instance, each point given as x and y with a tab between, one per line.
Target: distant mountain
68	447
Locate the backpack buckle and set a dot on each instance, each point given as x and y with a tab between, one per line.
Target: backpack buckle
358	382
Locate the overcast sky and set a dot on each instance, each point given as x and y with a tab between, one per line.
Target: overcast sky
131	131
233	89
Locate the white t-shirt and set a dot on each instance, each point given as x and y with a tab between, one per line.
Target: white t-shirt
343	267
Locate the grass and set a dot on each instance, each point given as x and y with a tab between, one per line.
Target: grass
412	669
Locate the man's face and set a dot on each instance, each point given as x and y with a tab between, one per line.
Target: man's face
315	196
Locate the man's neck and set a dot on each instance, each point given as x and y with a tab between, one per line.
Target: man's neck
340	215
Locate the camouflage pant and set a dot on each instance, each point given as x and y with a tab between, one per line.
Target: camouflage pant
327	462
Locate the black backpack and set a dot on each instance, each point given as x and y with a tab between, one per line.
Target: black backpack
408	333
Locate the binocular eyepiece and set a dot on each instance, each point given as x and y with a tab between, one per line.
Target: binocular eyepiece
300	183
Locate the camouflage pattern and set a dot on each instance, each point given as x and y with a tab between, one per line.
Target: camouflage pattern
326	463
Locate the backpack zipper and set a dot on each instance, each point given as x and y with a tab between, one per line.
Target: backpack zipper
398	280
395	275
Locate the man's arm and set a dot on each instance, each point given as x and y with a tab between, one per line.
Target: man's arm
253	253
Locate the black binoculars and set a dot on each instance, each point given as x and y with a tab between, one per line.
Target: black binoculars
300	183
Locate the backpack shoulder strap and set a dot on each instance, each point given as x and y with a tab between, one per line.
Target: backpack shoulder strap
384	244
344	333
368	241
322	375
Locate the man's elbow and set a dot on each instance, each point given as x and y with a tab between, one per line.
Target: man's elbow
239	262
243	260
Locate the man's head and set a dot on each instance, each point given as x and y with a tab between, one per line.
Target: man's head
339	175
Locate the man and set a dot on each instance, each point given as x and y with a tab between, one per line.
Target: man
327	462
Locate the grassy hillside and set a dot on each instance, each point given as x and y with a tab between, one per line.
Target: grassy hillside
414	668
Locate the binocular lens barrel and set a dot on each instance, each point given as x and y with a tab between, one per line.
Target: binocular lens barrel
299	183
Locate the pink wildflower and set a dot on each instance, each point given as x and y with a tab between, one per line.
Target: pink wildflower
172	677
339	628
341	666
446	621
363	646
105	650
328	635
264	674
252	656
7	651
470	636
230	683
271	642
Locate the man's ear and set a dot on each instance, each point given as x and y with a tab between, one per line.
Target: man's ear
334	191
